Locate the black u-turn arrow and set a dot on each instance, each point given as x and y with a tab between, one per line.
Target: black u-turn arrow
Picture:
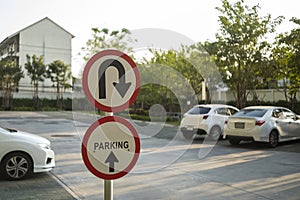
121	87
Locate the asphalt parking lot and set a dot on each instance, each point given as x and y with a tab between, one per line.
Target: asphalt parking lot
249	171
39	186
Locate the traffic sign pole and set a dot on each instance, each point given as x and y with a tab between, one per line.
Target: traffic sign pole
108	190
108	184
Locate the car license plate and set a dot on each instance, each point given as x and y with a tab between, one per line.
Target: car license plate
239	125
189	128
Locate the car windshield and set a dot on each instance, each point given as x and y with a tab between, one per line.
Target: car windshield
7	129
3	129
199	110
251	113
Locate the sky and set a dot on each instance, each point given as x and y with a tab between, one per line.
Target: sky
196	19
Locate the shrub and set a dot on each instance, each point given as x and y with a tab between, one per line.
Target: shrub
25	104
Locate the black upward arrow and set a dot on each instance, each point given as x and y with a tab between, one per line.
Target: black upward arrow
121	87
111	159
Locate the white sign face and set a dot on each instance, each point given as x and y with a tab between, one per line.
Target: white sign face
111	81
110	147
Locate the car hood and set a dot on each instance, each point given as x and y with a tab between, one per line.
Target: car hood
24	136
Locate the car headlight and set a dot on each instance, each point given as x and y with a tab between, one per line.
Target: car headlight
45	146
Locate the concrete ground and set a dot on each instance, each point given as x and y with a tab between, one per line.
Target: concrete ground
167	168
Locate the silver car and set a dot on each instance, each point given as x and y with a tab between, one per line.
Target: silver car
263	124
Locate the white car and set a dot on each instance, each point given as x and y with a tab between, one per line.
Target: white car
206	119
263	124
22	154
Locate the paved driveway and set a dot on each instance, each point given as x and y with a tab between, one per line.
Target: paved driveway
167	168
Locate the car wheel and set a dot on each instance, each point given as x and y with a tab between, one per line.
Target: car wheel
16	166
188	135
215	133
234	141
273	139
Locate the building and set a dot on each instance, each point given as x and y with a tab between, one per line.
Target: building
45	38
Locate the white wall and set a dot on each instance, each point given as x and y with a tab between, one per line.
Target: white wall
47	39
266	95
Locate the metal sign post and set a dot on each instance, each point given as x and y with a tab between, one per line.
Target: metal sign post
108	184
108	190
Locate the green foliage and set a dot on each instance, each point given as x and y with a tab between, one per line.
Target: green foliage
60	75
106	39
178	61
203	60
285	60
10	75
24	104
36	71
242	50
35	68
171	79
280	62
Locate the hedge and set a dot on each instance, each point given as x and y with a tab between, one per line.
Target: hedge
82	104
25	104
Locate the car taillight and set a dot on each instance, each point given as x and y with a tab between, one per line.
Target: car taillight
205	116
259	122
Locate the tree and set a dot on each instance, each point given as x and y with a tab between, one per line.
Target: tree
36	70
169	72
286	61
60	75
280	60
202	58
242	46
106	39
10	75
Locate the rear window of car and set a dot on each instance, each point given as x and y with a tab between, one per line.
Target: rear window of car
199	110
251	113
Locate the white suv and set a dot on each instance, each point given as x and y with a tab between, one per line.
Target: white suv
206	119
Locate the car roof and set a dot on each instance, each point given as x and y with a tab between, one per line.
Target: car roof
263	107
213	105
260	107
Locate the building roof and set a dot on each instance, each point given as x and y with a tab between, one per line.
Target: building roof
46	18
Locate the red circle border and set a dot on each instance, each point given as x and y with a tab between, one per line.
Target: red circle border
87	135
87	92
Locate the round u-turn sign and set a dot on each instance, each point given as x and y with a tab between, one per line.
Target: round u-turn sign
110	147
111	81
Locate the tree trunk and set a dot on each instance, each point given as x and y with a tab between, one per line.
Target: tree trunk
7	97
36	100
241	93
59	98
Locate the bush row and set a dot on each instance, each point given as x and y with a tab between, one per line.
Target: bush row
25	104
83	104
